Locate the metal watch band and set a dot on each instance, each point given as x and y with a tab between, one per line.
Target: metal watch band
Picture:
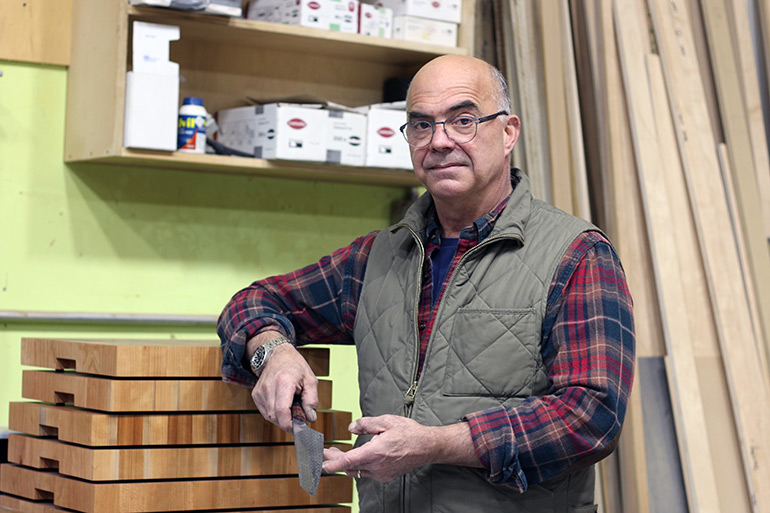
259	358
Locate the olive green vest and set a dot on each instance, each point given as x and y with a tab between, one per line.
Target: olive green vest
484	351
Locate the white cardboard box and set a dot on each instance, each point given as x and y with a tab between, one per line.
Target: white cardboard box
385	146
442	10
152	89
334	15
294	131
422	30
375	21
274	131
346	137
220	7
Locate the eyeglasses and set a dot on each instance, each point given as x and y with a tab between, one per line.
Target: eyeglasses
460	129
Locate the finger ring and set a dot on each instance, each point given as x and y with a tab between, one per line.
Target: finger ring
358	473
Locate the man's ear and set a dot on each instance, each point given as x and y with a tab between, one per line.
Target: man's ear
512	132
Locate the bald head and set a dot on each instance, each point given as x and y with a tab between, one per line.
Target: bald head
446	68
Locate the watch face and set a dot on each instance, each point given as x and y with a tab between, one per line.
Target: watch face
258	359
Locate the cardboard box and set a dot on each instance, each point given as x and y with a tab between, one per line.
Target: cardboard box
375	21
385	146
442	10
422	30
274	131
152	89
317	132
219	7
345	137
334	15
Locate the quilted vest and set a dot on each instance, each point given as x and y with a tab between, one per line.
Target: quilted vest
484	351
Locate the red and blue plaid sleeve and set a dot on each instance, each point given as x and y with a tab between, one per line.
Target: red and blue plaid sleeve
588	349
319	301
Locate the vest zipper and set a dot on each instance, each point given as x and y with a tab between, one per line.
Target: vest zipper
411	392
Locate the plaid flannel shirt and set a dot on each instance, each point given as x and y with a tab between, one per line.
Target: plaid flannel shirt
587	347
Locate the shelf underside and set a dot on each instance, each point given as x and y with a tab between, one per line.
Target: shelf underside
308	171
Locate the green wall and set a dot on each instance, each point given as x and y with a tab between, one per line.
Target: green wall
88	238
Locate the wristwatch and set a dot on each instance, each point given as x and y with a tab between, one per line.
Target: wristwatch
259	358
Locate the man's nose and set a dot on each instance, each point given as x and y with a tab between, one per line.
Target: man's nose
440	139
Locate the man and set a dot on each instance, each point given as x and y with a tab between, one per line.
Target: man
494	333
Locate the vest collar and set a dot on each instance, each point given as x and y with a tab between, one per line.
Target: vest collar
511	222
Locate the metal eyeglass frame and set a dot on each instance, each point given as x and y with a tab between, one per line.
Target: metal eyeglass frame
434	123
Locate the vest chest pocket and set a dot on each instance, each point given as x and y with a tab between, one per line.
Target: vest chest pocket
492	353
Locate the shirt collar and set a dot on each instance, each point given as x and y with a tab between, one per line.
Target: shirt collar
476	232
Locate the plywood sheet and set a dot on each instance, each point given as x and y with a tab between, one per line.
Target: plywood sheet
96	429
130	464
145	358
158	496
144	395
667	491
36	31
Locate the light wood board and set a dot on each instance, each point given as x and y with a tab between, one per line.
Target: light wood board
144	395
740	30
749	392
738	135
130	464
36	31
556	106
142	358
628	231
732	492
157	496
685	394
581	201
26	506
526	53
97	429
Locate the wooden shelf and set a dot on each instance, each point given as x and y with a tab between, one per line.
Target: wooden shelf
259	167
226	60
302	40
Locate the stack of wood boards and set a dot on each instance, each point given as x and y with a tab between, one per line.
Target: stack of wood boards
149	426
651	109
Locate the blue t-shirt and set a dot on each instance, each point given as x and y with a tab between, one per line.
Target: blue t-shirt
441	260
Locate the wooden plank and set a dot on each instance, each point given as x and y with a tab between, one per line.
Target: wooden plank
141	358
732	106
686	398
525	48
36	31
96	79
157	496
627	229
584	16
581	201
27	506
556	107
144	395
740	31
129	464
632	460
750	394
732	492
96	429
735	219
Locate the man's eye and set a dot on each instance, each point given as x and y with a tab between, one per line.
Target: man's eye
420	125
463	121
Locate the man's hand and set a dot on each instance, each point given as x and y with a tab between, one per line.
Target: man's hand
400	445
285	375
